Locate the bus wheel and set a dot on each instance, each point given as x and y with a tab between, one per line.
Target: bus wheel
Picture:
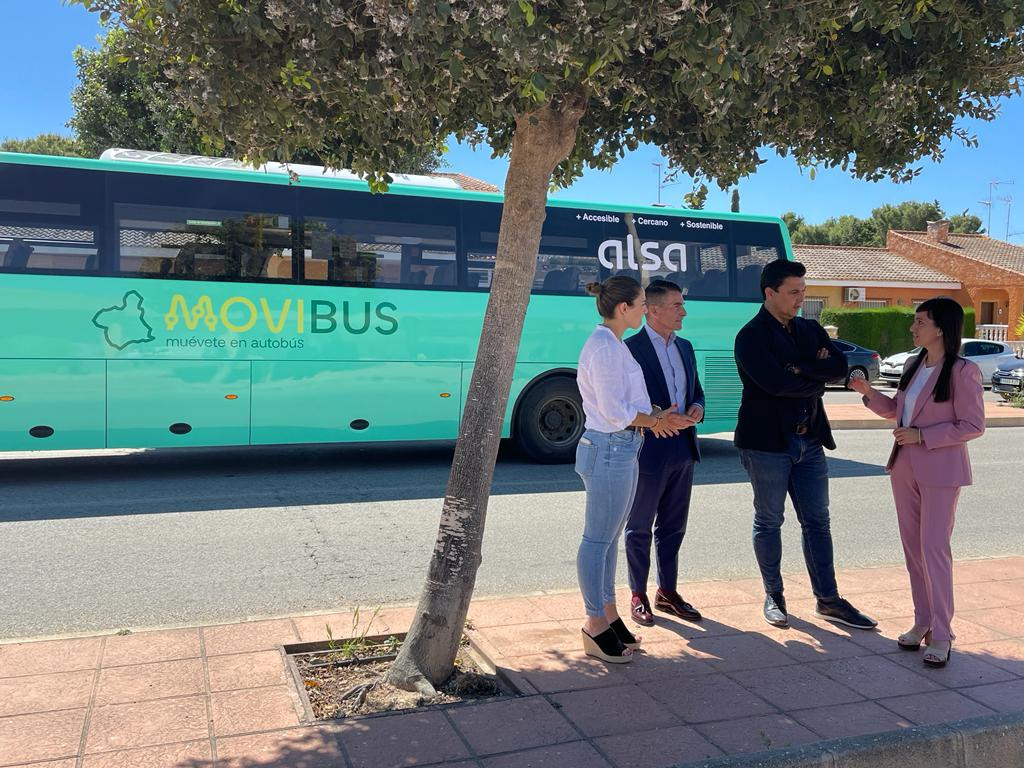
549	421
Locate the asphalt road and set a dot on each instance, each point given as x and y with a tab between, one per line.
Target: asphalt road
116	540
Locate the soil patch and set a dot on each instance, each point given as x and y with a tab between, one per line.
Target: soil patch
339	683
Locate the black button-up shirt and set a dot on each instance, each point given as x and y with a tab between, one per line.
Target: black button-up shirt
775	398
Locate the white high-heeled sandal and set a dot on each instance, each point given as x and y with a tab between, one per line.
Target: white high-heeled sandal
911	641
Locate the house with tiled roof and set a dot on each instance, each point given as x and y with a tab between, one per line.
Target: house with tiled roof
990	271
858	276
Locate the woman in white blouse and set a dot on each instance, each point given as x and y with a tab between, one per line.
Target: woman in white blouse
617	410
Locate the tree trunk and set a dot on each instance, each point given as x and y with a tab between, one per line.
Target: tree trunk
542	140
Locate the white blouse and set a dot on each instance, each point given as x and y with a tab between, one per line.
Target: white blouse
915	389
611	383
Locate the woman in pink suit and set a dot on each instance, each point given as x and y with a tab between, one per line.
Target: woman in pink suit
939	406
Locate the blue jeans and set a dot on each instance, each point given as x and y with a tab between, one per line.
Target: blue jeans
802	472
607	463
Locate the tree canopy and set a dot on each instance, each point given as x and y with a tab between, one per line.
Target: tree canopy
44	144
868	85
851	230
124	100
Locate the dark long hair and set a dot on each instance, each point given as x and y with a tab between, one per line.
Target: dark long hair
948	316
614	291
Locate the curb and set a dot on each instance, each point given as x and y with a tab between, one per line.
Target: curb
992	741
877	423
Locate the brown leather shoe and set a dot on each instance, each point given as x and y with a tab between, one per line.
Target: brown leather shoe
640	610
672	602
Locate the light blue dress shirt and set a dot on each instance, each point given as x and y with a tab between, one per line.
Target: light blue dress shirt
672	367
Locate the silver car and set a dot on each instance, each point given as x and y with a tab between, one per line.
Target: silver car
989	355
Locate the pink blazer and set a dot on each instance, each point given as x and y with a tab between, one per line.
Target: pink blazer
941	459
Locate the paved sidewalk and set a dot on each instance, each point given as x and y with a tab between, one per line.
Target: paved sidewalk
727	686
856	416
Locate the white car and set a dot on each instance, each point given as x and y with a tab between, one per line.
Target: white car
989	355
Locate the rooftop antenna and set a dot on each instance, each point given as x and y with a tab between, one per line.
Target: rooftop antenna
1009	201
992	185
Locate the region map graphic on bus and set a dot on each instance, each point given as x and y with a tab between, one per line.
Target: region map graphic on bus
125	324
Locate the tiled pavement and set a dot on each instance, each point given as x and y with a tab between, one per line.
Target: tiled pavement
187	698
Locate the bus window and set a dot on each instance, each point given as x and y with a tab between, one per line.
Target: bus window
379	253
44	236
202	244
750	260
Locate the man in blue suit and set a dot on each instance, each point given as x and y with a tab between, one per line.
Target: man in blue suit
662	500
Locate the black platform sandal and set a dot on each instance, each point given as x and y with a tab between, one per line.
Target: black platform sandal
626	637
606	647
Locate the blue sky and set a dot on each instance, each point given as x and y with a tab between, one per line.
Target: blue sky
38	37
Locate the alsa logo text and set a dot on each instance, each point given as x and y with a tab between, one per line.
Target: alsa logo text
240	314
610	254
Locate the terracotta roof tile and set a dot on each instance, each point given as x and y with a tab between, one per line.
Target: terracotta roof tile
850	262
981	247
469	182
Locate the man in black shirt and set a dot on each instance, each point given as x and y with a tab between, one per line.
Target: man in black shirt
784	362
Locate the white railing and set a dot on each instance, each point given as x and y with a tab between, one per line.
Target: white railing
990	332
1018	347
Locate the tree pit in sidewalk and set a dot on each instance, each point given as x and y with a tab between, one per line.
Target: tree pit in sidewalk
347	677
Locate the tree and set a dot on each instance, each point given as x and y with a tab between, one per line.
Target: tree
735	203
851	230
965	222
697	198
123	100
793	222
867	85
44	144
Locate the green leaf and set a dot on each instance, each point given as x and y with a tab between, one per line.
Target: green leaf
906	30
594	66
827	69
528	12
857	27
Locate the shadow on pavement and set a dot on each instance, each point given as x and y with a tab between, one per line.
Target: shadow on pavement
196	479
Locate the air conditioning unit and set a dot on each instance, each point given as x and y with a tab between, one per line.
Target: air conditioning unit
856	294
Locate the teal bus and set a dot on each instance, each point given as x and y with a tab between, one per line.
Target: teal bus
151	300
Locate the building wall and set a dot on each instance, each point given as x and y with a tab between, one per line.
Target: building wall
980	280
896	297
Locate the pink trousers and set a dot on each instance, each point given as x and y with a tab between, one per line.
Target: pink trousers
926	516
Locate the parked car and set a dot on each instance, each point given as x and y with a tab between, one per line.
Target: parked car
861	362
891	368
1008	380
989	355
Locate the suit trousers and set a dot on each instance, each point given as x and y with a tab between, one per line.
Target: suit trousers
662	502
926	516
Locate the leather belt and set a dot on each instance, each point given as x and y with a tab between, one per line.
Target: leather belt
636	429
800	429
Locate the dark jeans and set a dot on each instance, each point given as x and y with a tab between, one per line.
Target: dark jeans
802	472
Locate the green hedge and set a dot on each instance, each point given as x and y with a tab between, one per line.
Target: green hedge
885	329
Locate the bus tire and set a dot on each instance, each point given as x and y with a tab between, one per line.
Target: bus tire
549	421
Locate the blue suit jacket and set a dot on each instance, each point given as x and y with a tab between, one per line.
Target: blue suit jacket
659	452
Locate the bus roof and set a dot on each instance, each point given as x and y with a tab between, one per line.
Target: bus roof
168	164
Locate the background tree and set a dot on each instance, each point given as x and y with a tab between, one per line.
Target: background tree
851	230
734	205
867	85
44	144
965	222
